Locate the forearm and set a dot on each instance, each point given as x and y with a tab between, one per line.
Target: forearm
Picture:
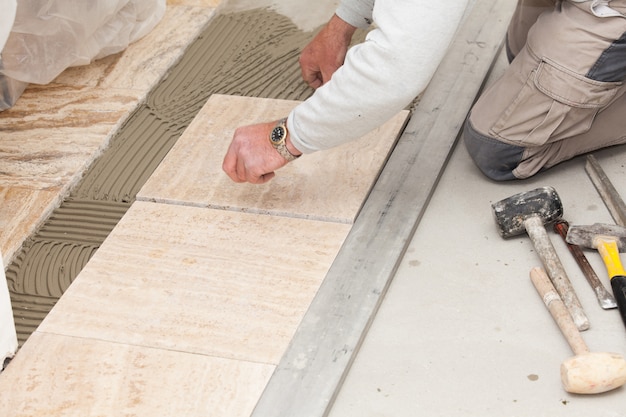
380	76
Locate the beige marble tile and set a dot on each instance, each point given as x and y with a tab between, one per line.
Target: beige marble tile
143	63
40	158
72	377
328	185
197	3
21	211
199	280
53	106
47	140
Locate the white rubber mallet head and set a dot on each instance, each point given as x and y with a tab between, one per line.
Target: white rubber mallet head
593	372
587	372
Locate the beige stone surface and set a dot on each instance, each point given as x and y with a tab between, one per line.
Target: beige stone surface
198	3
21	210
214	282
72	377
52	150
143	63
46	141
329	185
55	106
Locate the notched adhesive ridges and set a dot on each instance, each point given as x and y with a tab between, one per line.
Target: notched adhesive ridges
252	53
51	259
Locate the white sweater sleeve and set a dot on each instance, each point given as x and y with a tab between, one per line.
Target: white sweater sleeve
358	13
380	76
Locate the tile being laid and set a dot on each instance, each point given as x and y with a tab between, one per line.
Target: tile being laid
329	185
214	282
56	375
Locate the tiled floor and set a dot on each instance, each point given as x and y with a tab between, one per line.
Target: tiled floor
178	301
203	282
199	288
67	376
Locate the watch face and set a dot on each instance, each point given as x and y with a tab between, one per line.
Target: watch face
278	134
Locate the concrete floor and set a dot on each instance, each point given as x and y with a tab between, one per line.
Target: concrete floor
461	331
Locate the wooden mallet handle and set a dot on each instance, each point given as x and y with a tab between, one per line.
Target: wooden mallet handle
557	309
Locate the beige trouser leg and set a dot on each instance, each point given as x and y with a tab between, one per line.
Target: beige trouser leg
563	94
525	15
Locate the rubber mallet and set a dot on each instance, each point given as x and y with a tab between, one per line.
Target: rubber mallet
586	372
529	212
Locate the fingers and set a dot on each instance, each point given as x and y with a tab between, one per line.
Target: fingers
241	174
309	70
237	171
316	76
246	174
263	178
326	52
250	156
313	79
229	165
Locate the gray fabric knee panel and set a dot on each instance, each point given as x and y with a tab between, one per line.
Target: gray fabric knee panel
495	159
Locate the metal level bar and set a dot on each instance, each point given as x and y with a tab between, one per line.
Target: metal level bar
309	375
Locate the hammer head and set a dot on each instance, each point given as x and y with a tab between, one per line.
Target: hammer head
586	235
593	373
511	213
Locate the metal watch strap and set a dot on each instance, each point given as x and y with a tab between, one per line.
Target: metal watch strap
281	145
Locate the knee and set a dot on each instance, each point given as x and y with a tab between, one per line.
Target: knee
495	159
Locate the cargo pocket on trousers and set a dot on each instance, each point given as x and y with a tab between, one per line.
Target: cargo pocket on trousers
553	104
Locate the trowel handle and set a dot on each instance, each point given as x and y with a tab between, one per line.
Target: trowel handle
557	309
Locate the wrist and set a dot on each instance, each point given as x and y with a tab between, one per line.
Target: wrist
280	140
290	147
337	25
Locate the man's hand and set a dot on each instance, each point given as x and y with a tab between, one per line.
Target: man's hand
251	157
326	52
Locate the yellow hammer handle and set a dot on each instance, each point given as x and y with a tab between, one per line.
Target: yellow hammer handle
607	247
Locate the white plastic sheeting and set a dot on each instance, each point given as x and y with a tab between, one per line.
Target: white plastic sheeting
6	19
49	36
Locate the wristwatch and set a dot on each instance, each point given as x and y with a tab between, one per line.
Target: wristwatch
278	137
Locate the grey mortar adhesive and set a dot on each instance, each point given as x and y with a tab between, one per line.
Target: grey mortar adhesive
252	53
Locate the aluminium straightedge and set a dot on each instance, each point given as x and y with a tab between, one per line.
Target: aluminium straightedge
312	370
